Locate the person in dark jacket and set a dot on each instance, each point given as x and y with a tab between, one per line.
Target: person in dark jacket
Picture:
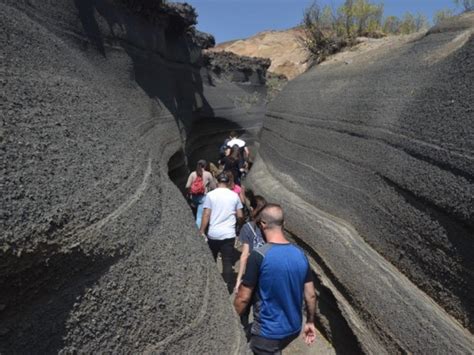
234	163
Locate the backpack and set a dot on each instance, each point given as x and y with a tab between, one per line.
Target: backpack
223	148
257	242
197	187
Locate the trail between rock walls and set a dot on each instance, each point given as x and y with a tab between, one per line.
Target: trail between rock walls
418	313
238	344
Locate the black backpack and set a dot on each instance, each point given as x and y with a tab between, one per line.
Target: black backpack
223	147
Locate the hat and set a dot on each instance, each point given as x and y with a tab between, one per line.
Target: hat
222	177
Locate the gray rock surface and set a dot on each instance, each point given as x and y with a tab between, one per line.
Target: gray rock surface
235	93
384	145
98	250
236	68
106	103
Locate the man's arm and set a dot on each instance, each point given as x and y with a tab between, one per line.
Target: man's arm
206	215
242	299
249	282
309	330
244	256
310	300
246	153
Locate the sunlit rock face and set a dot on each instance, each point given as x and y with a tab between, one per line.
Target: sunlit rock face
384	144
98	250
288	56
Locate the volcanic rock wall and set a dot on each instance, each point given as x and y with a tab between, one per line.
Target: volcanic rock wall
384	145
98	250
236	96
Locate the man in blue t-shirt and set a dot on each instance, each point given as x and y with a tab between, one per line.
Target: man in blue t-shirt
278	276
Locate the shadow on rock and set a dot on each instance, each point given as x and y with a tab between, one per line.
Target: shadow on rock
165	54
39	291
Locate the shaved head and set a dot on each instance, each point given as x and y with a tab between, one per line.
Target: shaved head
272	216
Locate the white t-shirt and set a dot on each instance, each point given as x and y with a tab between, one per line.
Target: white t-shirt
236	141
224	204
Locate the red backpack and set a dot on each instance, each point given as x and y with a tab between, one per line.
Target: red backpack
197	187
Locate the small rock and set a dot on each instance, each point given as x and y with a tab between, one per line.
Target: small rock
2	307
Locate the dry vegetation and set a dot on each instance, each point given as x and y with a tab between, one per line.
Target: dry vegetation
328	29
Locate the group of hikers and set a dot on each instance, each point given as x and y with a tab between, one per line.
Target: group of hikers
274	275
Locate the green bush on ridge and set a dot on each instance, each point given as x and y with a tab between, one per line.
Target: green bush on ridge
326	30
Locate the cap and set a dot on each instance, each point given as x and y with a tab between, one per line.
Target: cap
222	177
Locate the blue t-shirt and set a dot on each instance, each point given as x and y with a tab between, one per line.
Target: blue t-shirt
278	273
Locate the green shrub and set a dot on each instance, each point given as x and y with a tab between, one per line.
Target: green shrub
360	18
392	25
322	32
442	15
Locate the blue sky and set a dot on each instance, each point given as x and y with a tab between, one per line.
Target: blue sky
234	19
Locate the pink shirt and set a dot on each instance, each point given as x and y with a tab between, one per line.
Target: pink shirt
237	189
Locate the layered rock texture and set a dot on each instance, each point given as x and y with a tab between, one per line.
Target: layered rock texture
383	144
107	104
236	96
98	250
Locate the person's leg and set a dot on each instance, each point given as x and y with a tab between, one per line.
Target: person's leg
246	325
244	318
227	252
198	201
286	341
263	346
214	245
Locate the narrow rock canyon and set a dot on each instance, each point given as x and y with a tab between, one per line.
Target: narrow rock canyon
107	105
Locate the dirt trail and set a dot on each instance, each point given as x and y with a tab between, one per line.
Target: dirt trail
320	347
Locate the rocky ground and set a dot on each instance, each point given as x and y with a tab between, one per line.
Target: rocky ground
319	347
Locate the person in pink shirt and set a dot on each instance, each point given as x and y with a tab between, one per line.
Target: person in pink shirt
239	190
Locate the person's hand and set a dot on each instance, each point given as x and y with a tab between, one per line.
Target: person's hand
203	235
309	333
237	284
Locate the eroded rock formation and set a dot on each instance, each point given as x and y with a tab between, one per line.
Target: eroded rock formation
383	144
236	95
98	250
106	100
283	48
